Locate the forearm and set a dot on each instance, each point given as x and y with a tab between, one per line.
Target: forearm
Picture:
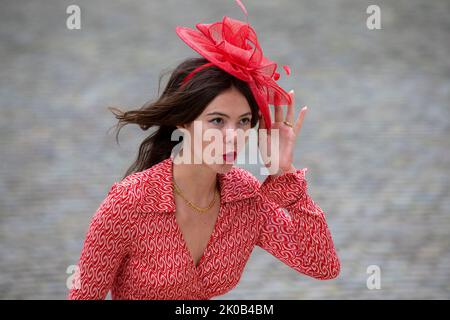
308	243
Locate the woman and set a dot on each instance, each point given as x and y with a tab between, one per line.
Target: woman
173	230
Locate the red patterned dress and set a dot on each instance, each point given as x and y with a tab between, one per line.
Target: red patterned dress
135	248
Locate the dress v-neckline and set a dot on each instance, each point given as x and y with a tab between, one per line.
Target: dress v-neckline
217	223
209	243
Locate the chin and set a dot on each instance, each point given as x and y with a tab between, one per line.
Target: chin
222	168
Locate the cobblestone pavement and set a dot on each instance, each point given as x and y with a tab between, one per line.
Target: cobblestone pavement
375	140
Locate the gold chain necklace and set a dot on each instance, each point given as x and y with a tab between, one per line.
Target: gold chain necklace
192	205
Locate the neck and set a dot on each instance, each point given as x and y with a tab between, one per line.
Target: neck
197	181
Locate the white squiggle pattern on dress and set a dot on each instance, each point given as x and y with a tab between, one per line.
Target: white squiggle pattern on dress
134	247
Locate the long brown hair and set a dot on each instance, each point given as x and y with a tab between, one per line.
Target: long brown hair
178	106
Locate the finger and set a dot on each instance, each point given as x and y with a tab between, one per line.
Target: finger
291	107
262	124
278	113
301	116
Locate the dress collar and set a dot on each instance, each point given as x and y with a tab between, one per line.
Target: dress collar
235	185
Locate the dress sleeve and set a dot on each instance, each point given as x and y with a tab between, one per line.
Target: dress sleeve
300	239
104	248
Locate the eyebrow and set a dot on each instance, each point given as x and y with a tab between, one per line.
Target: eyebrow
223	114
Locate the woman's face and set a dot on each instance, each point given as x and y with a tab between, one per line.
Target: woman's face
220	132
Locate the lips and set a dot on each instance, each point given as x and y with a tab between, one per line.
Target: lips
230	156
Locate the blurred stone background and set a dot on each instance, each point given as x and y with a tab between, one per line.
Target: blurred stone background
375	139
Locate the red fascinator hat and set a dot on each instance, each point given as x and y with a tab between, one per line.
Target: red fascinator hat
232	45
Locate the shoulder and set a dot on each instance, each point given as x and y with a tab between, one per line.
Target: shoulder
242	176
238	184
150	189
154	176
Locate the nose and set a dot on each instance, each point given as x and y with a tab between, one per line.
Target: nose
230	138
230	134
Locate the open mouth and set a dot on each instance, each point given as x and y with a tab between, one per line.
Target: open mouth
230	156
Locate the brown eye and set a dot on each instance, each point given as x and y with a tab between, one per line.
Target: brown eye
246	121
220	121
